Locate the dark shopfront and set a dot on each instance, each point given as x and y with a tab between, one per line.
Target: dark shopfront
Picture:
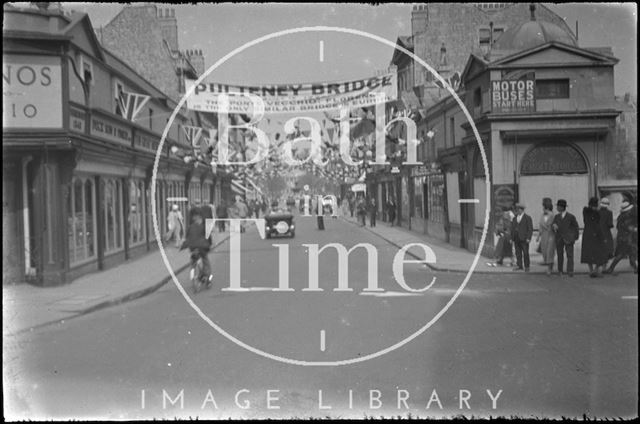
80	202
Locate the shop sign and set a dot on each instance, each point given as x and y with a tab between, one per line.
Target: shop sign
395	170
504	196
110	131
145	142
359	187
77	120
419	171
31	92
514	93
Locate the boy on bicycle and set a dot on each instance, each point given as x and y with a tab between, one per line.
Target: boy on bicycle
197	242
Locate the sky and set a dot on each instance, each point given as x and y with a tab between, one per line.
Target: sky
218	29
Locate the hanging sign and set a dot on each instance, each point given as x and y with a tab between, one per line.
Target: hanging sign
293	98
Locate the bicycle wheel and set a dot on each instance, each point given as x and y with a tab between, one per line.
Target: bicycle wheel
196	276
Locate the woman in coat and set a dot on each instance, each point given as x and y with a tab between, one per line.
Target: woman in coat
627	237
606	223
594	252
546	235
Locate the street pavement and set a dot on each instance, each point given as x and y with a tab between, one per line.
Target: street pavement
539	346
451	258
25	307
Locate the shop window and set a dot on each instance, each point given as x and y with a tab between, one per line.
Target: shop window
81	220
136	212
435	198
552	89
113	220
418	203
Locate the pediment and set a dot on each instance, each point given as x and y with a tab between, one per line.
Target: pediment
81	31
555	54
474	66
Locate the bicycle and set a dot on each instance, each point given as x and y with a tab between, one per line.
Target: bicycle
196	274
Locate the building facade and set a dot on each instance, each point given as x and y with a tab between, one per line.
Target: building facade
77	167
544	108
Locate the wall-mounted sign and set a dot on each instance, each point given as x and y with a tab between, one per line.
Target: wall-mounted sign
395	170
77	120
419	171
359	187
504	196
513	95
145	142
31	92
111	131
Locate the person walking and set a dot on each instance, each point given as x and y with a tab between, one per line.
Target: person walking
221	214
361	209
504	247
606	224
391	211
565	227
175	224
546	236
593	247
627	237
372	212
352	205
521	233
242	211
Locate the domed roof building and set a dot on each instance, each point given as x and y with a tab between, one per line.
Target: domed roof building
531	34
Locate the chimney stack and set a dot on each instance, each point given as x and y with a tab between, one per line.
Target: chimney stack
419	18
169	26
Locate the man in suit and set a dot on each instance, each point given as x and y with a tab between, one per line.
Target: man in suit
567	232
521	232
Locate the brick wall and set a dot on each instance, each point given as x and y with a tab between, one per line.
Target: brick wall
457	25
135	35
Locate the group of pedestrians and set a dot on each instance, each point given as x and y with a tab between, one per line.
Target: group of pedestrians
558	233
361	207
366	207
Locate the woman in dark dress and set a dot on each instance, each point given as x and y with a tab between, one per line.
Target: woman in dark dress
594	253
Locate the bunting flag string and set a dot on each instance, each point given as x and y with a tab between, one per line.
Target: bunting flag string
193	135
130	104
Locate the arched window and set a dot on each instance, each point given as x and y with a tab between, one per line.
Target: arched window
553	158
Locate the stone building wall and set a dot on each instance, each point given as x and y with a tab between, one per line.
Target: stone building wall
456	27
135	35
